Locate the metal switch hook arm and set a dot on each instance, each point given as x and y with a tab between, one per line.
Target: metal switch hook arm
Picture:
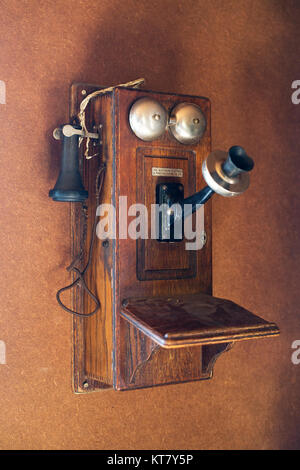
68	130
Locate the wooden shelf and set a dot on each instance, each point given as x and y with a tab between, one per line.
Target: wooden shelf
196	319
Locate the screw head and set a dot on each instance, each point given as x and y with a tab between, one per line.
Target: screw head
203	237
57	134
85	384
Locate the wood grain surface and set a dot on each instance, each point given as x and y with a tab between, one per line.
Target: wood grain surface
163	370
196	319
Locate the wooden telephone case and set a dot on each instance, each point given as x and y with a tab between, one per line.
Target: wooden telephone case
125	346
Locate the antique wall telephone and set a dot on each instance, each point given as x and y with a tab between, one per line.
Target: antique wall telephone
151	318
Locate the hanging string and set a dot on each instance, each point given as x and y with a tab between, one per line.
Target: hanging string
87	99
80	274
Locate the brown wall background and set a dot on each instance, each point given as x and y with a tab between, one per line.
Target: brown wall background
243	55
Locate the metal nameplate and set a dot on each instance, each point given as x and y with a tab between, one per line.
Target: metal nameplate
177	172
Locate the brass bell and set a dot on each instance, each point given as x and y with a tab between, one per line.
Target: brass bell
148	119
187	123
